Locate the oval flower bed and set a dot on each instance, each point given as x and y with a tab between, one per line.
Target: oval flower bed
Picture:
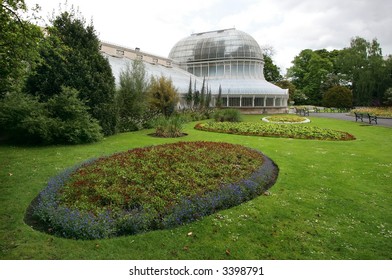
275	130
289	119
151	188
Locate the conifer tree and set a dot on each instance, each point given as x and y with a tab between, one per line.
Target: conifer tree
219	98
189	95
203	94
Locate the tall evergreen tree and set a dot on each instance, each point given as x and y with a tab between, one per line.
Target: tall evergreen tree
71	57
219	98
208	98
196	99
203	94
189	95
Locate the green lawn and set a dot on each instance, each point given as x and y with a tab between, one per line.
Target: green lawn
332	200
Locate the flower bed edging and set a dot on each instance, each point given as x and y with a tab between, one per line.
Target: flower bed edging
265	119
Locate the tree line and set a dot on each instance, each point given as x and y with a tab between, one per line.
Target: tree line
358	75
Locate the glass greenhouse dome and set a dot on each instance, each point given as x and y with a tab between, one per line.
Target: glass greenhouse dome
224	53
233	60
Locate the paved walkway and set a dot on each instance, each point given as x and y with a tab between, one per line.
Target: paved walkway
344	116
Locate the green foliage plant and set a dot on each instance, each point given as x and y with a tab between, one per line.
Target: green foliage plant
131	102
63	119
388	97
338	97
227	115
363	67
169	127
162	95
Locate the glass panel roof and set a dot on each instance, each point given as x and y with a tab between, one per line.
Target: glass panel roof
216	45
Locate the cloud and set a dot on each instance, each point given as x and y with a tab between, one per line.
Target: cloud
288	25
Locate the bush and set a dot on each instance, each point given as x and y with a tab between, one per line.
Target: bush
24	120
338	96
74	125
228	115
63	119
197	115
169	126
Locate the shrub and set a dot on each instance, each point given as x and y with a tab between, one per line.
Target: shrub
162	95
74	125
24	120
228	115
63	119
169	126
131	102
338	96
197	115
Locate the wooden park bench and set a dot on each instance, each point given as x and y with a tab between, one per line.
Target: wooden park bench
304	112
360	116
372	118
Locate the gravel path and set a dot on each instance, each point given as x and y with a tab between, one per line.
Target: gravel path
344	116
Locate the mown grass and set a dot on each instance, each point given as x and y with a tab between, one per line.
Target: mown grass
331	201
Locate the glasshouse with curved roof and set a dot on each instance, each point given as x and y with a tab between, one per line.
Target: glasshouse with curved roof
230	61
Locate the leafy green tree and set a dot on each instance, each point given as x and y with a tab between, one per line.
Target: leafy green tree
71	57
289	85
163	95
131	101
271	71
362	66
338	96
309	71
388	97
18	41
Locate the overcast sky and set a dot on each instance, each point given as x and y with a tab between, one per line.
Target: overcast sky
289	26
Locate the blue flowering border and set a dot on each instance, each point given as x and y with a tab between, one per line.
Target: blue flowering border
75	224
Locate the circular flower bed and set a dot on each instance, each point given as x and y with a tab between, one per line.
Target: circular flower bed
286	119
150	188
